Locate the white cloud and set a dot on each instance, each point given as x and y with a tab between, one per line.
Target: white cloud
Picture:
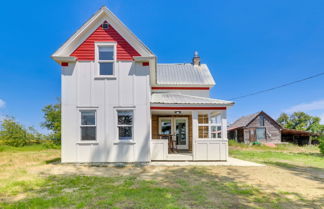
306	107
315	108
322	118
2	103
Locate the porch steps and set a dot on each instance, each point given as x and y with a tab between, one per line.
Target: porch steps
180	157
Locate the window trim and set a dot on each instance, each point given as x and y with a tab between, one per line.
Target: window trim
130	140
80	126
97	61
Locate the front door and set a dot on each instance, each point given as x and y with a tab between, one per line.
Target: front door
181	132
178	127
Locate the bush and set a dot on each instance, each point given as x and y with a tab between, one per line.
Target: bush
51	144
14	134
321	145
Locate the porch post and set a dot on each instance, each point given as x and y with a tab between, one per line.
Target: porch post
224	125
194	132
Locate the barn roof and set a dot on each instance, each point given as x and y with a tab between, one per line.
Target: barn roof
245	120
297	132
184	74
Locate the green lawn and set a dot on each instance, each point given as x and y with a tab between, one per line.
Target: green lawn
291	155
186	187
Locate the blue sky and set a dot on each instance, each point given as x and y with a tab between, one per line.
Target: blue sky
248	45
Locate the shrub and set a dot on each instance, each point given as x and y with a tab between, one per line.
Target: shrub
14	134
51	143
321	145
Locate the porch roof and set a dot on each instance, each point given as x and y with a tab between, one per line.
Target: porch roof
177	98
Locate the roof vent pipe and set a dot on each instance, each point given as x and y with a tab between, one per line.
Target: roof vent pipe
196	59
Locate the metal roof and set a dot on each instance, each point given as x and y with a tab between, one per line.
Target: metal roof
177	98
184	74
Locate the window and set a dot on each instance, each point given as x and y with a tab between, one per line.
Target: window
203	126
165	126
209	126
216	126
88	125
106	59
260	133
261	120
125	124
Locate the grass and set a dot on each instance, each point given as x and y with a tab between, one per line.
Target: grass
186	187
34	147
305	161
307	156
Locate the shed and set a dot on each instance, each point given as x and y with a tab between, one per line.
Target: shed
297	136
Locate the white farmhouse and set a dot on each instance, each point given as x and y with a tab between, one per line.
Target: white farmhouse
120	105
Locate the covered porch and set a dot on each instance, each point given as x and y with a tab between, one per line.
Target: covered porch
183	131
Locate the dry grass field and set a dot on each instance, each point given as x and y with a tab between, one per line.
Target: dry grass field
32	177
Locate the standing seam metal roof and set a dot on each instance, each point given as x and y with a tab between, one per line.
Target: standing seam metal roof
184	74
177	98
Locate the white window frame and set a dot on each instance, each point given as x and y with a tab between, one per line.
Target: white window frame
216	125
97	61
95	125
210	124
117	125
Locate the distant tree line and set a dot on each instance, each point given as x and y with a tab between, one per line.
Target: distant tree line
13	133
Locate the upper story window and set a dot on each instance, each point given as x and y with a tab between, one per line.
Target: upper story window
106	59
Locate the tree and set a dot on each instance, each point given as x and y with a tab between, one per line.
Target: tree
301	121
304	122
52	116
283	120
14	134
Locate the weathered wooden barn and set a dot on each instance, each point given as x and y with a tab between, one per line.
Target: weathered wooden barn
257	127
260	127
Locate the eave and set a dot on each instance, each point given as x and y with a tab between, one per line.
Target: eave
61	59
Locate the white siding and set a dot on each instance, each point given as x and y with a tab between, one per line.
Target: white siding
81	90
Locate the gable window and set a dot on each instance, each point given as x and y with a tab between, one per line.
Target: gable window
261	120
125	124
106	59
88	125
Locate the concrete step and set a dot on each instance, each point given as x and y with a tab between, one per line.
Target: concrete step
180	157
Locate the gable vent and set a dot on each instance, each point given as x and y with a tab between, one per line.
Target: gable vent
105	26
